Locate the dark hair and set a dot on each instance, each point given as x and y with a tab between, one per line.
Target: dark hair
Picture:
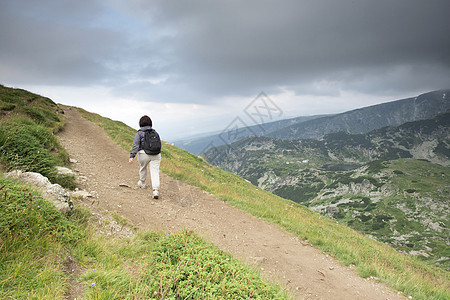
145	121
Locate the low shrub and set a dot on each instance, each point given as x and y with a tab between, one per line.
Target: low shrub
175	266
30	147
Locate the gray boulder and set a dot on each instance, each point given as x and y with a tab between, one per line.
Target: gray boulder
52	192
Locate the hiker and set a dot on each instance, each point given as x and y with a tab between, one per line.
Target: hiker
147	146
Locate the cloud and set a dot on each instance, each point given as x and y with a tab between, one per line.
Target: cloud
74	43
235	47
208	49
216	55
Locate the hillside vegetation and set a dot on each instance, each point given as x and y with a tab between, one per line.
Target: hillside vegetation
370	257
43	250
390	184
45	254
28	122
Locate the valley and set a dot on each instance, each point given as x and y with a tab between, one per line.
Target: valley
392	184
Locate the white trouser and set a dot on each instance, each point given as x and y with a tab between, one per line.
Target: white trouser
154	161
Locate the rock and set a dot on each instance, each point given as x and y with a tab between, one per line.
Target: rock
64	171
305	243
331	210
259	260
54	193
81	193
82	178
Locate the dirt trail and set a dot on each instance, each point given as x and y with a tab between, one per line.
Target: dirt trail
303	270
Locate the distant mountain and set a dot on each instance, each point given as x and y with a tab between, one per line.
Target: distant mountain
426	139
201	143
356	121
391	183
369	118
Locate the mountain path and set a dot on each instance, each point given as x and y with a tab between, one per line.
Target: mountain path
304	271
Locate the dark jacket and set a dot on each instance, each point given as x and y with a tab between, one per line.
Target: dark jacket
137	140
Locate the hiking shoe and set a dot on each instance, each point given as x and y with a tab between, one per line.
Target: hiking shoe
155	194
141	185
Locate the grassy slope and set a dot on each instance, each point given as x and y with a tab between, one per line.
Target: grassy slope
28	122
411	214
18	103
42	250
33	237
371	258
399	208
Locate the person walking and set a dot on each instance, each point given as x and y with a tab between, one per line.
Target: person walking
147	147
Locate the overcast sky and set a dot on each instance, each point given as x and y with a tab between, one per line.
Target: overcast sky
194	66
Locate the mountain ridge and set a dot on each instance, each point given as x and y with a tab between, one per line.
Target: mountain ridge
357	179
365	119
361	120
201	143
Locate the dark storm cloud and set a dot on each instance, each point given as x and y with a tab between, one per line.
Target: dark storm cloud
261	45
198	50
37	47
73	43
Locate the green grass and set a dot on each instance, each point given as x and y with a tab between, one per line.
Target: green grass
39	243
370	257
33	236
172	266
43	250
27	141
118	131
418	175
21	103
